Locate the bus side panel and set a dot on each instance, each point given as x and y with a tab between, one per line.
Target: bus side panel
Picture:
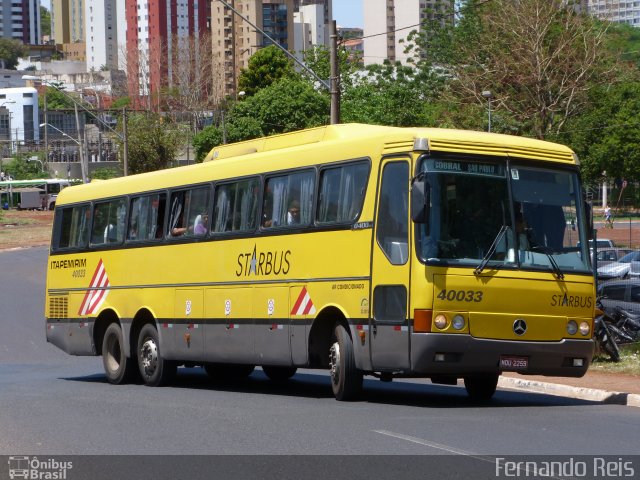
271	325
189	329
228	330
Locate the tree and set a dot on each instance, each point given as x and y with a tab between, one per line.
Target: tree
56	98
20	168
538	58
266	66
287	105
153	142
45	21
392	94
607	136
188	86
10	52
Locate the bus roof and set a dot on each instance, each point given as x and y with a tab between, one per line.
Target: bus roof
319	145
440	139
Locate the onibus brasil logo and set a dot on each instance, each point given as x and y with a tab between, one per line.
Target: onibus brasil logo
33	468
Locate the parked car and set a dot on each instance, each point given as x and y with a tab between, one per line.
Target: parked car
629	265
610	255
620	293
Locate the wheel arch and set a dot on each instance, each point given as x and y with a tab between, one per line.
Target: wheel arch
321	334
100	325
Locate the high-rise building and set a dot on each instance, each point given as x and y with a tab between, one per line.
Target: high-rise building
105	33
309	28
234	40
20	20
68	21
153	28
387	24
615	11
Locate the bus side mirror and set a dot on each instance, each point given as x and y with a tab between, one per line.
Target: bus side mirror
420	199
588	208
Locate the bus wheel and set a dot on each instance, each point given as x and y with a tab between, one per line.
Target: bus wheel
481	387
346	379
228	372
117	366
155	370
279	374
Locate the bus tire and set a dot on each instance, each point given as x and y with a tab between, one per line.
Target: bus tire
481	387
118	367
155	370
346	379
279	374
224	372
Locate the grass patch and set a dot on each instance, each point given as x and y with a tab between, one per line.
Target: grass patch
15	218
629	361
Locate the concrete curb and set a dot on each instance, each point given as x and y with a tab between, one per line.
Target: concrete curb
581	393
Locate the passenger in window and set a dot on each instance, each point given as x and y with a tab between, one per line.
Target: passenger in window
293	214
201	224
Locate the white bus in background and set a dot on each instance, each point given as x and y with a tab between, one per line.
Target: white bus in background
20	193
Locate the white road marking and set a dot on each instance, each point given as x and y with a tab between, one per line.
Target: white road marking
421	441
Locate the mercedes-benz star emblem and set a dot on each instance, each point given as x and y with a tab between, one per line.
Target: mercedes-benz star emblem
519	327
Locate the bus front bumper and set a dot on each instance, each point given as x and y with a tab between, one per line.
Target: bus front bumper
459	354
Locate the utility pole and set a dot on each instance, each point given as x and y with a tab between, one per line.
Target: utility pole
46	126
335	75
125	143
80	145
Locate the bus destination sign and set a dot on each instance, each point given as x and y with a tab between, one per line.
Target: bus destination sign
469	168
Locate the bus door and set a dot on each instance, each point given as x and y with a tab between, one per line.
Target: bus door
389	327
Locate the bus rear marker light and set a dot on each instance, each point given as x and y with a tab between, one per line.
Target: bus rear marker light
458	322
422	320
585	329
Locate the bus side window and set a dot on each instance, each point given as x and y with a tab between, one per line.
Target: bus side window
74	228
189	209
288	200
146	217
342	191
235	206
108	222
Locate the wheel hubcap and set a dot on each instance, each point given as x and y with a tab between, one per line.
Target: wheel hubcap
149	357
334	362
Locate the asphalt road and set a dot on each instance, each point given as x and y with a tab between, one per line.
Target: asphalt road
55	404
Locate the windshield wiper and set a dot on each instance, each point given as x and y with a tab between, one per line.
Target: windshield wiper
492	249
552	261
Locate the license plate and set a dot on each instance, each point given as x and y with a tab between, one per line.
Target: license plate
514	363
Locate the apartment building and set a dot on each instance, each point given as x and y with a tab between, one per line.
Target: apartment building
615	11
387	23
20	20
68	21
234	40
152	27
105	34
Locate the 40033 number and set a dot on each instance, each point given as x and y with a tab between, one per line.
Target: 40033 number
460	295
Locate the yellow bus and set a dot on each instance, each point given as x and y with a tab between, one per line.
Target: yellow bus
363	250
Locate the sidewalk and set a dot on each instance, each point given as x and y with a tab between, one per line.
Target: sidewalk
612	388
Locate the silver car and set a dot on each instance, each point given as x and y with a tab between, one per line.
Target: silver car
629	265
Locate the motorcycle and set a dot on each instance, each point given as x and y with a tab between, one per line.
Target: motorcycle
603	335
626	326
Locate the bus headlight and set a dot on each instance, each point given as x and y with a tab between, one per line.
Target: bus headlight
440	321
572	327
458	322
585	329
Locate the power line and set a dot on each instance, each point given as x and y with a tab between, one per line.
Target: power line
435	15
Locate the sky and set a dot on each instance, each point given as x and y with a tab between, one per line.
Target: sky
347	13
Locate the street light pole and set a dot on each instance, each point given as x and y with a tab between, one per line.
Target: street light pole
488	95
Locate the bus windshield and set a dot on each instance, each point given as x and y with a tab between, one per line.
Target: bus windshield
504	215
